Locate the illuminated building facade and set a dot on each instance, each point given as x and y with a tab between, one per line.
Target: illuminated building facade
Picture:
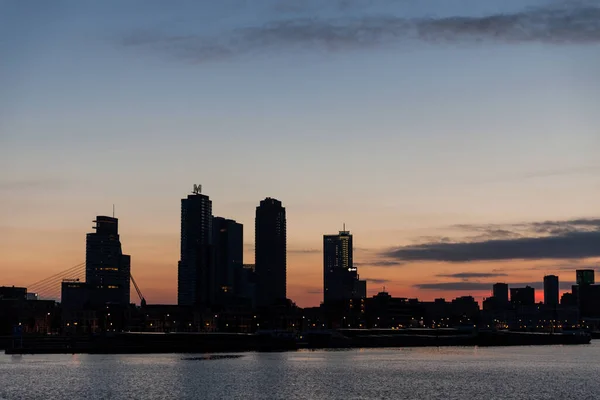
340	276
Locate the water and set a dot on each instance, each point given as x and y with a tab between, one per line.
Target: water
552	372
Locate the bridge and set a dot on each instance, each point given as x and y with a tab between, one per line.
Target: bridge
50	288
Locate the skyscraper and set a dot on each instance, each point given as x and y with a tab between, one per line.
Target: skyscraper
195	278
107	269
340	277
229	250
270	252
500	292
551	290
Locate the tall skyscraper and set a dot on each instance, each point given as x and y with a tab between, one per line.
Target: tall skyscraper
500	292
107	269
228	241
340	277
270	252
551	290
195	278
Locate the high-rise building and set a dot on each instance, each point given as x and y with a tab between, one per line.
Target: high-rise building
340	277
107	269
522	296
228	242
270	252
500	293
196	277
585	276
551	290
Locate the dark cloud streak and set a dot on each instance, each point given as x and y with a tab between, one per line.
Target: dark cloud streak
379	263
468	275
481	286
573	239
378	281
579	24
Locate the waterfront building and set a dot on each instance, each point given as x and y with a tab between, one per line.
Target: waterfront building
500	293
340	276
270	252
107	269
195	271
229	250
551	290
522	296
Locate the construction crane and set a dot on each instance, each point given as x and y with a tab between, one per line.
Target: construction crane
139	292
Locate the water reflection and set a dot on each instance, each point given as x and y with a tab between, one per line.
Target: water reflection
427	373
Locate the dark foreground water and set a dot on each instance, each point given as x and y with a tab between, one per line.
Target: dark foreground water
553	372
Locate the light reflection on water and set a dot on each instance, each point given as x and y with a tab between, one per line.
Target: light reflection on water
565	372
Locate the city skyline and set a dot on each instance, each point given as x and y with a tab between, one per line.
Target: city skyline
454	155
201	222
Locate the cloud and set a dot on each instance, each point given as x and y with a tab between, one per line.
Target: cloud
442	286
573	239
314	291
548	173
571	266
468	275
30	184
378	281
508	231
574	23
379	263
484	286
303	251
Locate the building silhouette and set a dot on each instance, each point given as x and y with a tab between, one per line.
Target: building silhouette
500	293
340	276
195	271
228	242
551	290
522	296
270	252
107	271
585	277
587	294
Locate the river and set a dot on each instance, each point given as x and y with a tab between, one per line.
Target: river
541	372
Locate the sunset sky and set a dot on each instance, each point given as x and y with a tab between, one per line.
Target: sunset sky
458	140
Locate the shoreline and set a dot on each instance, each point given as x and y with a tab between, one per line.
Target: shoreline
204	343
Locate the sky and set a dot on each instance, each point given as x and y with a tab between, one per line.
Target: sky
458	140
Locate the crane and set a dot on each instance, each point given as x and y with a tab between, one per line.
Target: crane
139	292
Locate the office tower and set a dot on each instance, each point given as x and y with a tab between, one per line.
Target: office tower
500	292
522	296
585	276
551	290
228	243
107	269
340	277
195	278
270	252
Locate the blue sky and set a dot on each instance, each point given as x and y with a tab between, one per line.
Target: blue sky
400	118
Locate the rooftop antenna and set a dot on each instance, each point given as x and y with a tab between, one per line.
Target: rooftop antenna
344	227
113	210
